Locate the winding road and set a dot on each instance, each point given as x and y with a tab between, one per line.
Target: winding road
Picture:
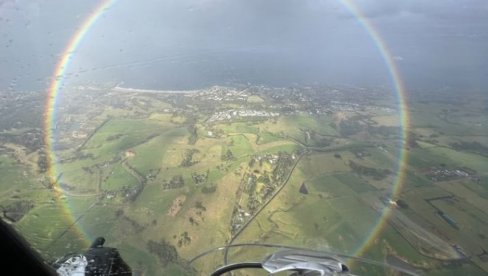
262	208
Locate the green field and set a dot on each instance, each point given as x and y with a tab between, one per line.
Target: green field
118	178
163	175
150	155
11	174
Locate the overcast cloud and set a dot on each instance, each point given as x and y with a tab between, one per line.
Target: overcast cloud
193	43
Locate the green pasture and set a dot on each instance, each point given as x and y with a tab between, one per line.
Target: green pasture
239	145
239	127
119	135
265	137
118	178
149	155
12	176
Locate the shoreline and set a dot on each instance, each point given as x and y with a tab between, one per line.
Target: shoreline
138	90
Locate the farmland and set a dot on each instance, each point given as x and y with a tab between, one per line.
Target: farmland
164	172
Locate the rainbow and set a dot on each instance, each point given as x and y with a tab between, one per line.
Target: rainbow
400	91
55	89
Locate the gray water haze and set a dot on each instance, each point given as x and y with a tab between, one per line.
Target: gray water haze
186	44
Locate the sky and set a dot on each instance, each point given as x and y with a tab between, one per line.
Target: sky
191	43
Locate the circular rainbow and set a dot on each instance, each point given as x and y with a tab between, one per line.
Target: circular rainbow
400	91
54	90
74	42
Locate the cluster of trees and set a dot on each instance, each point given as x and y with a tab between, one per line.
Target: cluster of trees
188	158
114	137
199	205
192	129
208	189
16	210
134	224
184	239
377	174
131	192
475	147
227	156
164	250
176	182
199	178
193	222
284	162
31	139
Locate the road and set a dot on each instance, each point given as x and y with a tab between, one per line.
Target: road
262	207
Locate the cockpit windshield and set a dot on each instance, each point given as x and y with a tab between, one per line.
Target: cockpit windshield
356	128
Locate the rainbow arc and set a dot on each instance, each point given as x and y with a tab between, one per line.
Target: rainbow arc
55	89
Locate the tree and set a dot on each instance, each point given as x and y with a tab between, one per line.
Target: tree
164	250
228	155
